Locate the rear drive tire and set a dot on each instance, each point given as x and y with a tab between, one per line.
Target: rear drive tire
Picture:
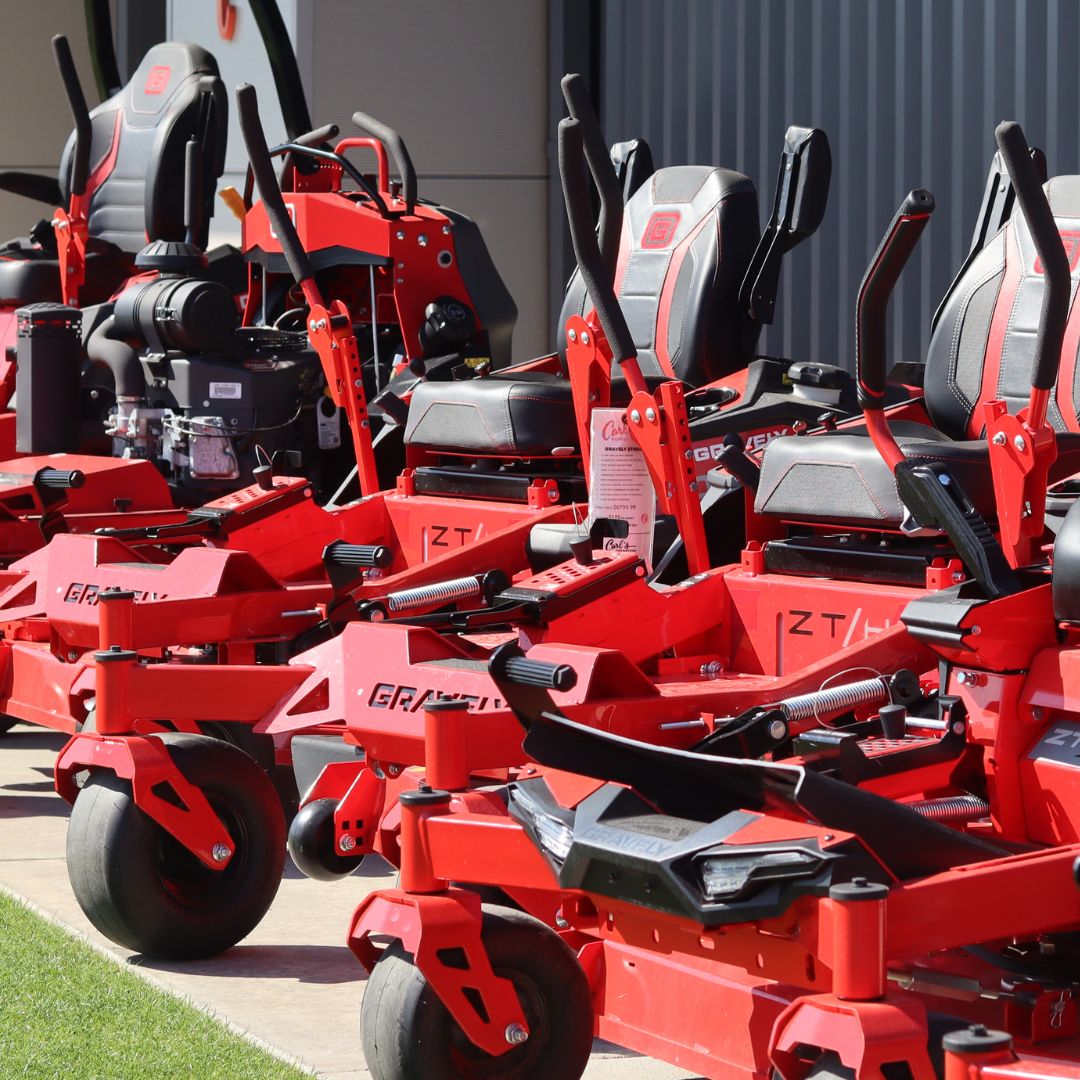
7	723
144	890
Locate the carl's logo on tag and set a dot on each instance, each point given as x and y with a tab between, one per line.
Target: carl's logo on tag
157	80
660	230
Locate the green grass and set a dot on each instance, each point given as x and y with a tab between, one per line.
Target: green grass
67	1012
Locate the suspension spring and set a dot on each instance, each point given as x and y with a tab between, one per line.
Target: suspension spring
953	808
835	699
435	594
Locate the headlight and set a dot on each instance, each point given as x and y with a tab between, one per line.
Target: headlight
553	835
724	877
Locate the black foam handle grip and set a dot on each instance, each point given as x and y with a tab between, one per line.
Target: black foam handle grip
602	168
876	289
318	136
247	107
1031	198
526	672
60	479
395	144
340	553
80	162
586	251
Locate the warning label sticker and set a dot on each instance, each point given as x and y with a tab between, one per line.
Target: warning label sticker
231	391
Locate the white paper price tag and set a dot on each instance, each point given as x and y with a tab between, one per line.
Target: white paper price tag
619	483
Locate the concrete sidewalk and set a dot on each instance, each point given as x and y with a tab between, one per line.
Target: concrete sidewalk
292	984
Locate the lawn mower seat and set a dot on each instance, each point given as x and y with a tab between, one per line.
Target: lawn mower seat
982	348
680	299
137	175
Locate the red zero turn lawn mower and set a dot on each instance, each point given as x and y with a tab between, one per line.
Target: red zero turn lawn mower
813	605
893	895
190	405
737	637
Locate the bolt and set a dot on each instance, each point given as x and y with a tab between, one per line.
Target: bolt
958	727
72	654
422	240
777	730
561	923
958	576
1019	443
688	454
635	416
553	494
999	439
584	337
446	230
650	415
962	678
221	852
400	281
516	1034
1036	712
347	842
572	335
400	234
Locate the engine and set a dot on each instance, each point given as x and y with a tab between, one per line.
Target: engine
205	399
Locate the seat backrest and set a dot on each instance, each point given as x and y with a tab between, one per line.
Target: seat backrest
136	181
689	233
983	344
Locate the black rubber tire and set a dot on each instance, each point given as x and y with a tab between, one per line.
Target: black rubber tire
7	723
144	891
311	843
408	1034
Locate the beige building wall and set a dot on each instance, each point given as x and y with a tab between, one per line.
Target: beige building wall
34	117
466	85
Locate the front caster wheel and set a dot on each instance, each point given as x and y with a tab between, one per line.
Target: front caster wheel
311	843
408	1034
147	892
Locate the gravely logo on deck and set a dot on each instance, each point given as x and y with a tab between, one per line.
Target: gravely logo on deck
412	698
79	592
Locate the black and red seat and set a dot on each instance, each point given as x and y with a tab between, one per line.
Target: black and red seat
982	348
688	236
136	178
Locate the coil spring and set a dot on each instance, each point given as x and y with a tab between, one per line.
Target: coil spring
835	699
952	808
437	593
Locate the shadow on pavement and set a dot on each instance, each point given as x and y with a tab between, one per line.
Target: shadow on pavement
33	806
30	738
300	963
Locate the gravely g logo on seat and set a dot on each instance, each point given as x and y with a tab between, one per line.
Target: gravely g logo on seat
660	230
1070	239
157	80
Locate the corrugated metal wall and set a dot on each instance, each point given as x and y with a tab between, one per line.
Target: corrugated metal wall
909	92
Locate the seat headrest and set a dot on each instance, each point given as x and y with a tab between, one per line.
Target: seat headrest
136	182
983	345
679	296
